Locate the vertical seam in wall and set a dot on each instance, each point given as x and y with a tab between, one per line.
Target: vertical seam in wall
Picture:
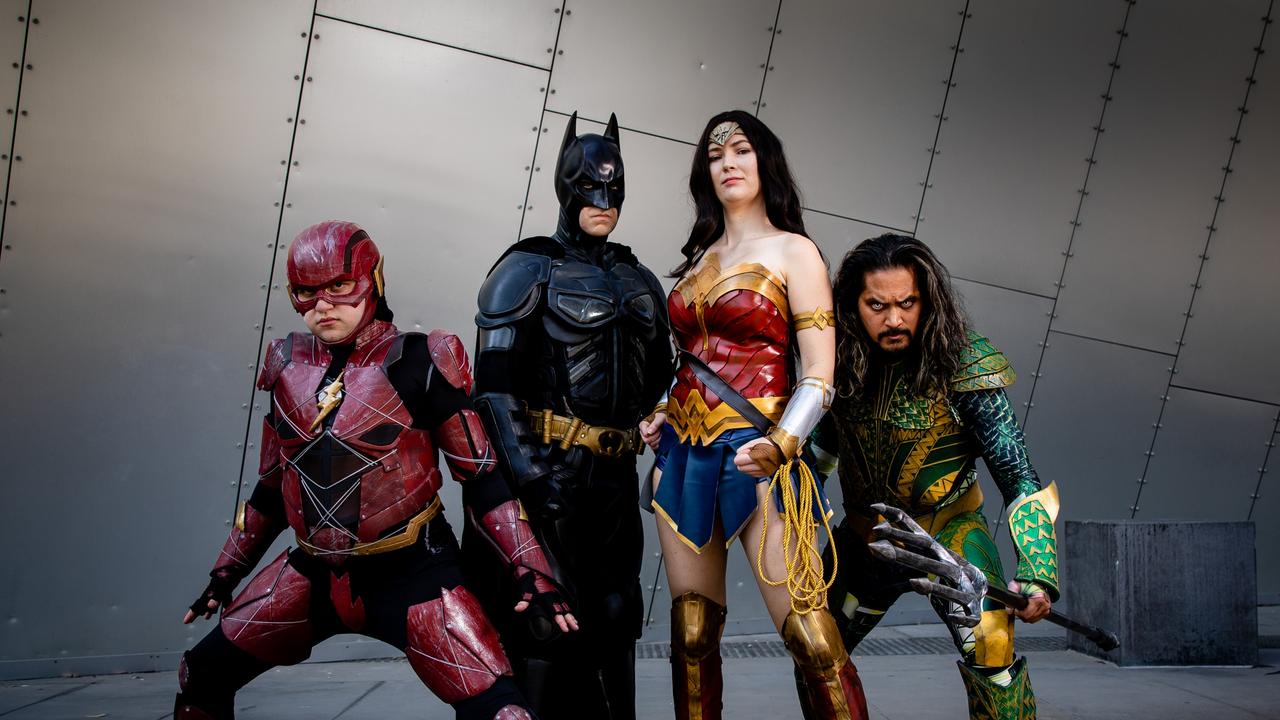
13	139
1211	228
275	252
1083	193
942	116
542	116
1262	471
768	58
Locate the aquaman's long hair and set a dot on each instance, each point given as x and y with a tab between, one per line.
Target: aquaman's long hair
942	332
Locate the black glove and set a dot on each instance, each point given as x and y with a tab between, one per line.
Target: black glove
546	600
219	590
552	496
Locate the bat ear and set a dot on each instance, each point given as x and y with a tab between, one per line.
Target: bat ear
570	131
611	130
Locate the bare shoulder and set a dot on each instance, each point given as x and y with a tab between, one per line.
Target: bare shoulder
801	255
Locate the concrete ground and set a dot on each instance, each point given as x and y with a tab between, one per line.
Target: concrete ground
915	687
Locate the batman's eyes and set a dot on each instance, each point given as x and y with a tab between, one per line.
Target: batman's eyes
586	186
615	187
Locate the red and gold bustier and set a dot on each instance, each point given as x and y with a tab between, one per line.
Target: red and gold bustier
737	320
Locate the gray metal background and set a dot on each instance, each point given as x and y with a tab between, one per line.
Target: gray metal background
1087	169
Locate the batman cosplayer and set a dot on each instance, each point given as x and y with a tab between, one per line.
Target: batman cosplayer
572	352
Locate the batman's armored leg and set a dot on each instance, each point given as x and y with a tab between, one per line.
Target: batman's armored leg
998	687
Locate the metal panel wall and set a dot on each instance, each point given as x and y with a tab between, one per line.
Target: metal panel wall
1233	339
1025	99
664	66
13	35
854	90
1090	421
1206	440
1159	167
516	30
138	239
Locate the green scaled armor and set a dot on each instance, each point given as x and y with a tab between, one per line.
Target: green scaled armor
1031	526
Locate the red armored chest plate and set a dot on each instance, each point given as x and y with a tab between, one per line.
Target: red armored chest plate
369	471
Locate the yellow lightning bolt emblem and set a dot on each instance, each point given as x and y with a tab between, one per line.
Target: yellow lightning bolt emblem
328	400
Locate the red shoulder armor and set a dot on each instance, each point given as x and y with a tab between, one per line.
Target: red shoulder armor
279	354
450	358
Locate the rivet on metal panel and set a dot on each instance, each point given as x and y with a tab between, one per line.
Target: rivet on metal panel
16	66
4	157
542	89
21	19
553	91
13	203
8	111
274	287
526	167
295	163
761	66
530	207
534	128
29	67
545	129
769	29
316	36
289	205
297	77
1134	508
557	11
755	102
537	168
238	445
764	104
17	158
269	327
520	207
310	78
256	406
263	286
304	34
244	406
770	68
284	162
1142	481
288	120
559	52
568	12
549	50
276	204
250	445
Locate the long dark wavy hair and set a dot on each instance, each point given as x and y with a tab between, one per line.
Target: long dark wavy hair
939	338
781	198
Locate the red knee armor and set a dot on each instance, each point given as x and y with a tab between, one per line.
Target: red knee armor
270	618
453	648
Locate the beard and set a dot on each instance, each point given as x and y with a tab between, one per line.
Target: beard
893	334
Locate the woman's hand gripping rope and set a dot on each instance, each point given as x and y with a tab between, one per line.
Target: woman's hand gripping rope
800	552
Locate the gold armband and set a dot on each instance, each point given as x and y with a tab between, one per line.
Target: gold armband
819	319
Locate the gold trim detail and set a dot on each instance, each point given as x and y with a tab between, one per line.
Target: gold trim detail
240	511
721	133
402	539
695	423
1048	497
378	282
789	444
328	400
570	431
819	320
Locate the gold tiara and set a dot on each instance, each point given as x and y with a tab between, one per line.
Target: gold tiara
721	133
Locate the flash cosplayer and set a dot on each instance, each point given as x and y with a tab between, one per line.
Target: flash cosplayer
359	412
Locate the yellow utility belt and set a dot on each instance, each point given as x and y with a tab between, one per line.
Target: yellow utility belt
571	431
695	423
402	539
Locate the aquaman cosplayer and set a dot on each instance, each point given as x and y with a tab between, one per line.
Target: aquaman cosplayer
920	397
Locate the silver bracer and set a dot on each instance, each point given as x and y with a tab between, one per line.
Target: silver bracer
810	401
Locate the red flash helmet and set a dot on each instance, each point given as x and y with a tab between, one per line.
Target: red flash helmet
330	252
